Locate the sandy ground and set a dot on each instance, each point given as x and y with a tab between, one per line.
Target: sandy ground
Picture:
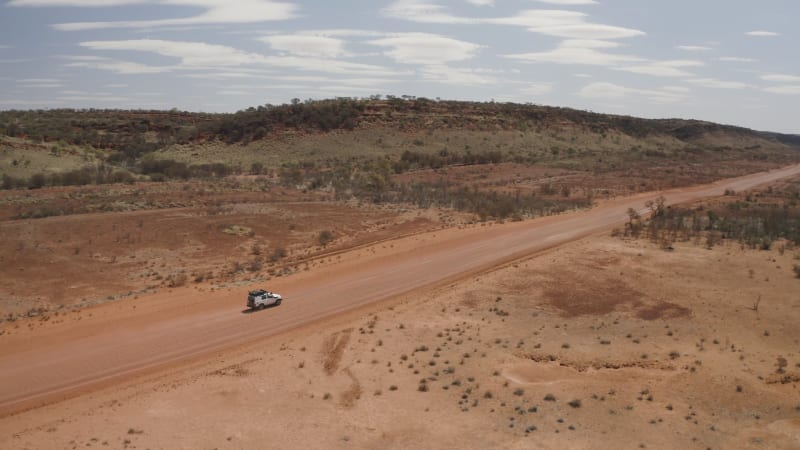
660	350
601	343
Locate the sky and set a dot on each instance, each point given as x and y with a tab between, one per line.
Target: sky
728	61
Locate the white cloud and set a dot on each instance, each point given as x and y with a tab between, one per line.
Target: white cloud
120	67
663	68
787	89
458	76
481	2
306	45
117	85
326	65
569	2
203	56
579	51
694	48
717	84
736	59
344	32
564	24
539	19
780	78
315	80
426	49
537	89
74	3
679	89
611	91
588	31
38	80
215	12
421	11
762	33
39	83
189	53
558	23
233	92
4	46
237	73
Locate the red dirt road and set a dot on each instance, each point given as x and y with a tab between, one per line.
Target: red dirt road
122	339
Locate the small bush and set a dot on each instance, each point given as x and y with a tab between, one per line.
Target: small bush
255	265
177	280
549	398
576	403
325	237
277	254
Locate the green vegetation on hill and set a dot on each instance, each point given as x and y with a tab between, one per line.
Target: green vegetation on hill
137	132
355	148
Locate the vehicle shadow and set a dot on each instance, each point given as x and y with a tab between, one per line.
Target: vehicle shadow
255	310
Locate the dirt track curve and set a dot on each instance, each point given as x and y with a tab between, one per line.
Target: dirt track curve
65	359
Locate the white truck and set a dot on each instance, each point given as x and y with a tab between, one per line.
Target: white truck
260	298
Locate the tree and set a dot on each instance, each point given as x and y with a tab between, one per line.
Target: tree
634	224
656	206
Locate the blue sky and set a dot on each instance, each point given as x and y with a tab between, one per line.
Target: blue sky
729	61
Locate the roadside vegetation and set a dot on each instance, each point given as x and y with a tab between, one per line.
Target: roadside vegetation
757	219
388	150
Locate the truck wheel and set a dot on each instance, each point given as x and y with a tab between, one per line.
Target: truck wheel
278	302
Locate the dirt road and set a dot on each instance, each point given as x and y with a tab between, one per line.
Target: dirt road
118	340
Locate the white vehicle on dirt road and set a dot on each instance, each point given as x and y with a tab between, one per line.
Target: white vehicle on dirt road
260	298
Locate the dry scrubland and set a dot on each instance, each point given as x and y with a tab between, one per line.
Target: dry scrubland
675	333
74	246
603	343
118	242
